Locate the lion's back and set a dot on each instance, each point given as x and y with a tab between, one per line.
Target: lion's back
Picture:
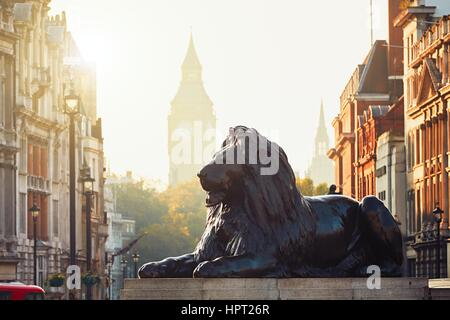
337	226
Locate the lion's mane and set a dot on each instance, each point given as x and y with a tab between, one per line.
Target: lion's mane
273	213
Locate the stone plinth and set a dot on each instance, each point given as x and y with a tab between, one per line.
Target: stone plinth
274	289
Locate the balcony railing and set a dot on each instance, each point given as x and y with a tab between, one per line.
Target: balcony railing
38	184
432	37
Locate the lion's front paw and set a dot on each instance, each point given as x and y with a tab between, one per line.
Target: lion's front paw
153	270
205	269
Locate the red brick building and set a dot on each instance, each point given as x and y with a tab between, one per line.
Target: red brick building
375	121
427	101
375	82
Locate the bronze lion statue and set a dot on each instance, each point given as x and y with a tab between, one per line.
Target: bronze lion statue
259	225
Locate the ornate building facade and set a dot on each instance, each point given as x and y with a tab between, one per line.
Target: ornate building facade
191	123
38	69
375	82
374	122
321	168
426	34
8	148
369	86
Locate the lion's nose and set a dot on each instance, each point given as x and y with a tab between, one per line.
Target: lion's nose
201	175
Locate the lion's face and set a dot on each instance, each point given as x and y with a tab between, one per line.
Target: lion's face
218	181
240	164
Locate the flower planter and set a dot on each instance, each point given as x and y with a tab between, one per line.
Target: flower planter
90	280
56	282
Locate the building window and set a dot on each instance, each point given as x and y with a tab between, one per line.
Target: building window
22	212
37	161
412	150
418	210
411	211
55	221
55	164
418	149
412	268
94	169
23	153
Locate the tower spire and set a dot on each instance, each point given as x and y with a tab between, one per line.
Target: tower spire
191	60
322	116
322	140
321	168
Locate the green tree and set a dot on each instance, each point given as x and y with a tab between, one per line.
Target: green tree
143	205
322	189
174	220
307	188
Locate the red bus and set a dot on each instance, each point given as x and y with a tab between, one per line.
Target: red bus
20	291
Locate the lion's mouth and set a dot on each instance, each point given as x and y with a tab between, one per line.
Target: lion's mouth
214	198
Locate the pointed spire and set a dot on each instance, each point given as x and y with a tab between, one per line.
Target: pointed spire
322	140
322	116
191	60
191	74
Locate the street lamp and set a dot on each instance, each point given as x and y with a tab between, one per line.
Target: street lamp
71	108
438	213
110	281
88	190
123	263
35	214
136	257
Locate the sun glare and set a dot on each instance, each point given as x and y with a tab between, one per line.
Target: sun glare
93	48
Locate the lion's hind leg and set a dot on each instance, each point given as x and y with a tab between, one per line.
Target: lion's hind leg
381	233
353	265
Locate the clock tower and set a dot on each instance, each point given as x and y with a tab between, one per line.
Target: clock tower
191	123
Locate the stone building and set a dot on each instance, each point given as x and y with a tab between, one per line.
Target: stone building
390	174
40	66
321	168
426	36
121	231
191	123
375	82
8	148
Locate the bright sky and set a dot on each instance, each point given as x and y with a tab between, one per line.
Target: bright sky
267	64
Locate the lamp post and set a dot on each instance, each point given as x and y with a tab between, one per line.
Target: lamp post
136	257
88	190
71	108
35	214
437	213
123	263
110	280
